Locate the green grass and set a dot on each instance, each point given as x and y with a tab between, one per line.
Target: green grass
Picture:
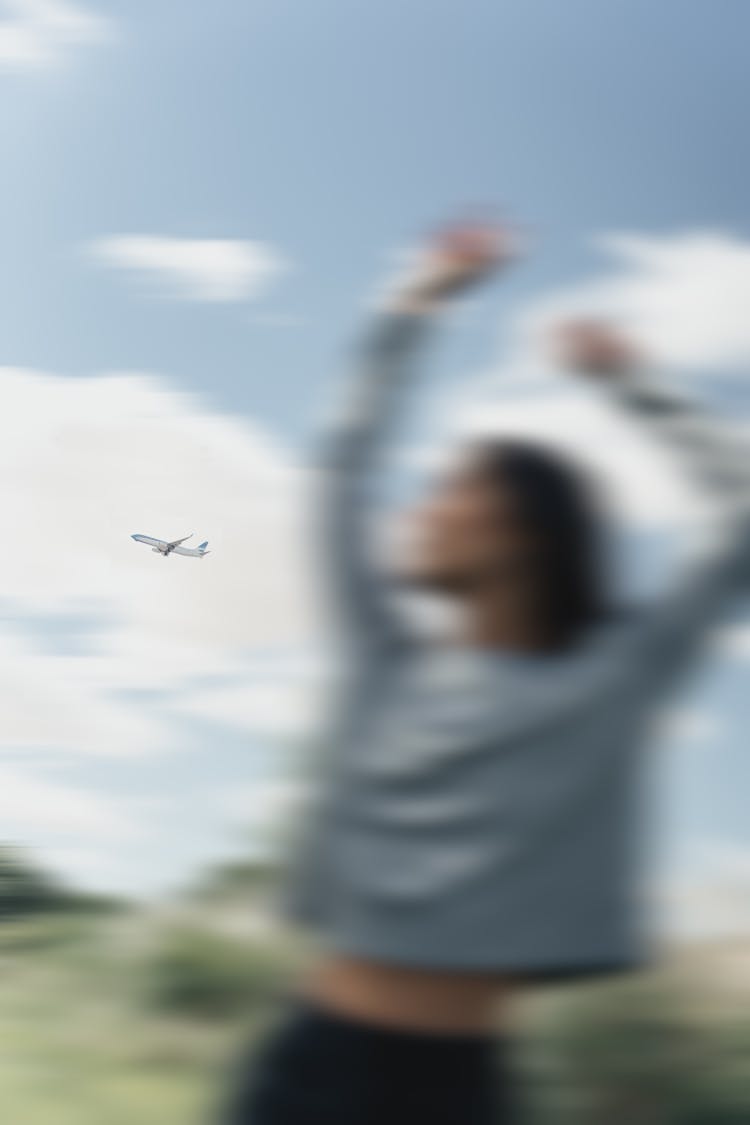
123	1018
103	1025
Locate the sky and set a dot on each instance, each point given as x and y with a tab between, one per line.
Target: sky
196	203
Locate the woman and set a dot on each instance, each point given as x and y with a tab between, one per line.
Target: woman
472	832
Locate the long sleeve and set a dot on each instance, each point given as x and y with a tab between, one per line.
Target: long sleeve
384	364
673	629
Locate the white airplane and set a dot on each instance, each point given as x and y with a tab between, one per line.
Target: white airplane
161	547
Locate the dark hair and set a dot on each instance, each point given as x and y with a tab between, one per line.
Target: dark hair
558	505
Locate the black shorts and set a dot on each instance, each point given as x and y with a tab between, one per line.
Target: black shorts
323	1069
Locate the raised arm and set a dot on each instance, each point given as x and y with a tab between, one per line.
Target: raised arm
716	458
385	363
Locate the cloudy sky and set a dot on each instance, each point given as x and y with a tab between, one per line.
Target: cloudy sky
195	202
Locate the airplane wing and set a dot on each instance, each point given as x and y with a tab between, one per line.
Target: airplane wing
176	542
150	541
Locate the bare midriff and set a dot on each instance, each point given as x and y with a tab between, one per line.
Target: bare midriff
410	999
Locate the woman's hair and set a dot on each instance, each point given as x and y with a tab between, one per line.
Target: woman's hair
557	504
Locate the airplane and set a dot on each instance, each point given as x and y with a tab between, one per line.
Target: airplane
161	547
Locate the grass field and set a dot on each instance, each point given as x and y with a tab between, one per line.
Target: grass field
131	1016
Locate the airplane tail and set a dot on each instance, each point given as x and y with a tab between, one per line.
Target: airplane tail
202	548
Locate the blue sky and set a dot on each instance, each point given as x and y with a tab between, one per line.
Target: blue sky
335	130
328	132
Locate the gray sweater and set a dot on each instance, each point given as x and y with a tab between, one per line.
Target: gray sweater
476	808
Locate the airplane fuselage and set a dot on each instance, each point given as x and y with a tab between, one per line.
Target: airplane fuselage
165	547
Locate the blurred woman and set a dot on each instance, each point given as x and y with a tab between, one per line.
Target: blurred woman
472	832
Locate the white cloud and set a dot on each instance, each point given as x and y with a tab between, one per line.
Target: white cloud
279	697
710	899
194	269
51	701
29	803
83	464
37	33
96	838
684	296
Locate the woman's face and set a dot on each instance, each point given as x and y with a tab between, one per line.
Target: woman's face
466	533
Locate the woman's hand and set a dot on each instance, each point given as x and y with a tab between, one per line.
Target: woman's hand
595	348
453	260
